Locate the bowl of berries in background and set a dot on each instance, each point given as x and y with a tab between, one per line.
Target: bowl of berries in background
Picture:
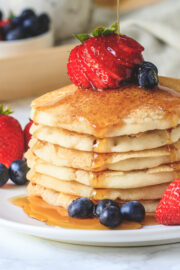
24	33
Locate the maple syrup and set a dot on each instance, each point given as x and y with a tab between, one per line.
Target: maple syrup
38	209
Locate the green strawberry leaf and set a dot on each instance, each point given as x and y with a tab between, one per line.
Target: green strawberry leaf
6	111
82	37
11	15
99	31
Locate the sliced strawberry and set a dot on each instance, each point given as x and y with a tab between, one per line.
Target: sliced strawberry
75	72
107	61
104	61
94	80
99	70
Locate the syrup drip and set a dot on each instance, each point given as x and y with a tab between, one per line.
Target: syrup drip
38	209
173	155
118	15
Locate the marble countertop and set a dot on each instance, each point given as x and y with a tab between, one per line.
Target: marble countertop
28	253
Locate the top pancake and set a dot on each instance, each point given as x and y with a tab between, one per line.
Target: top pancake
125	111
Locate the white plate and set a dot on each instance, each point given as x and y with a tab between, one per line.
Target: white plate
13	217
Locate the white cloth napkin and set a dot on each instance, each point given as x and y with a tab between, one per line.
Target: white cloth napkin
157	28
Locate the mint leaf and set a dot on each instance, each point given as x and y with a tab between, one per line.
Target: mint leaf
99	31
82	37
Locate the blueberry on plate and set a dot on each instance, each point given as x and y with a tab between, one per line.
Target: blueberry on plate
4	175
1	15
27	13
30	26
133	211
17	172
81	208
148	65
147	78
16	21
15	34
99	208
111	217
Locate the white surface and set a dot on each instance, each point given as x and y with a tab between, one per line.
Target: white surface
12	48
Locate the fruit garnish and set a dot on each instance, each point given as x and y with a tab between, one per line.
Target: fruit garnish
147	75
104	60
81	208
4	175
109	212
25	25
102	205
17	172
133	211
11	138
27	135
111	217
168	210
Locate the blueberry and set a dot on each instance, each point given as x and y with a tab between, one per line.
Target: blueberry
27	13
15	34
30	26
44	19
17	172
43	23
133	211
1	15
4	175
148	65
111	217
103	205
81	208
16	21
147	78
5	29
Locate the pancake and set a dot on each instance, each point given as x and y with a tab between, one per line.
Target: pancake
138	142
107	179
73	188
54	154
125	111
61	199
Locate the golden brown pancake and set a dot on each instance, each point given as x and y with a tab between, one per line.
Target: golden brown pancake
80	190
140	160
125	111
84	142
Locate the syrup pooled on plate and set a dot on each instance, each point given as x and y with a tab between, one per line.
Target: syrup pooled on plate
38	209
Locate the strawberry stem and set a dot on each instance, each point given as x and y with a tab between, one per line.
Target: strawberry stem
100	31
6	111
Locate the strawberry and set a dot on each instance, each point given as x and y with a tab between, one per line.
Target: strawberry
104	60
11	138
168	210
27	135
4	22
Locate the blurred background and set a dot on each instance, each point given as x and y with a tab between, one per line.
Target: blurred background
154	23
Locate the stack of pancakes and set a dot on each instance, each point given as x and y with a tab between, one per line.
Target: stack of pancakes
121	144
